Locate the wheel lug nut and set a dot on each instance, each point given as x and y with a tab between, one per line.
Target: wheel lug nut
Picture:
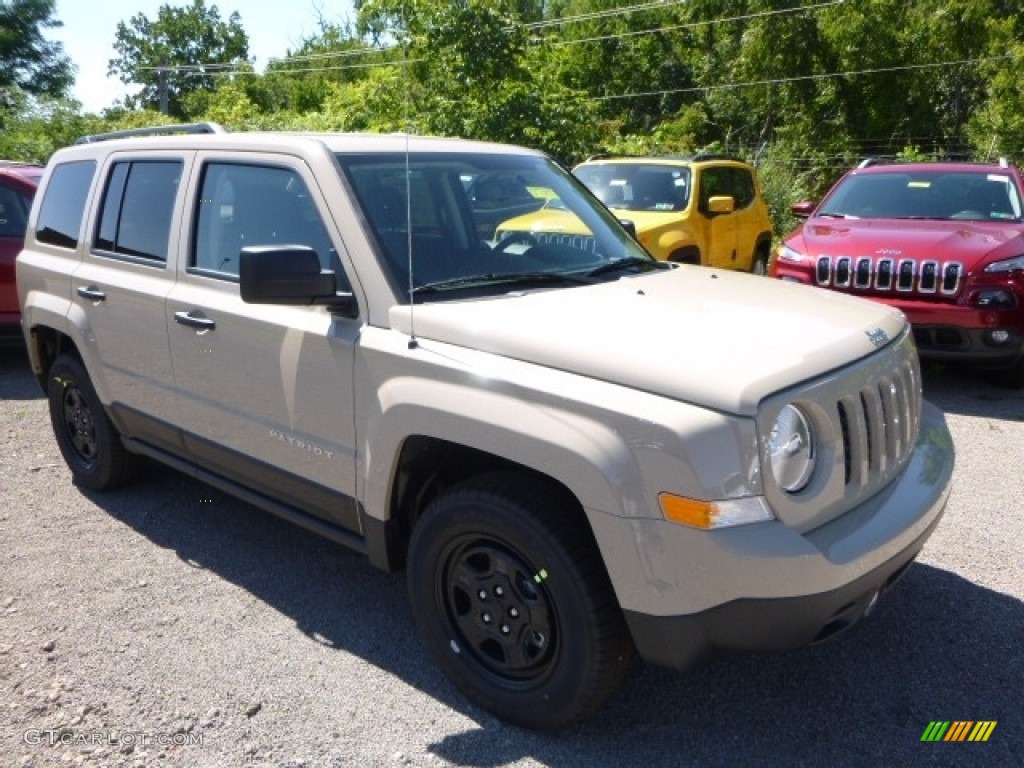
486	618
513	612
505	629
482	594
498	591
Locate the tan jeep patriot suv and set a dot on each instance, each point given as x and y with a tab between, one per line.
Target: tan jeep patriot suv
576	451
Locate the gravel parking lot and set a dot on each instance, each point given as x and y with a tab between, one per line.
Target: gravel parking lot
170	625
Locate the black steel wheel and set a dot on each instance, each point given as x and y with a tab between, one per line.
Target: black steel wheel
87	439
510	594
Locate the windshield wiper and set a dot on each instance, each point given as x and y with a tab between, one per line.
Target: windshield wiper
626	263
499	278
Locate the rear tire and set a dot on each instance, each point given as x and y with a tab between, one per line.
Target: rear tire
87	438
510	594
760	264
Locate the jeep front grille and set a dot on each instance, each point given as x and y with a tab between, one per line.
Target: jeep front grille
580	242
866	419
879	424
889	275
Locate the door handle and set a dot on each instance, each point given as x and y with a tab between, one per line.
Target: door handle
195	319
92	293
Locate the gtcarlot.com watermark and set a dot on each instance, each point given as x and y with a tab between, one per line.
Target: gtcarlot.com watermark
66	737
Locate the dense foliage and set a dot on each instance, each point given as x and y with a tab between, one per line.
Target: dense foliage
177	54
28	61
805	88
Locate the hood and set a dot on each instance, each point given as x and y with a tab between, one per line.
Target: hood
970	243
719	339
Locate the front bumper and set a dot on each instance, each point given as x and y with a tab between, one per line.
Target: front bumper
689	595
944	330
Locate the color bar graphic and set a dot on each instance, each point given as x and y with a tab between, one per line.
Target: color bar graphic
958	730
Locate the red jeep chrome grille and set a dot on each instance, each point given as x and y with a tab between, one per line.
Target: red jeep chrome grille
886	274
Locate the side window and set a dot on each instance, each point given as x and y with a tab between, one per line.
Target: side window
13	213
742	187
62	209
713	182
138	207
242	205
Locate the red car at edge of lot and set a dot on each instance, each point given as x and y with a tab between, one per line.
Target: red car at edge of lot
18	182
943	242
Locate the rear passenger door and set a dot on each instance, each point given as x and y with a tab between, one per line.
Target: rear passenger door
121	285
265	391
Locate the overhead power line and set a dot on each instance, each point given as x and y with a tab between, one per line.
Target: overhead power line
697	24
799	78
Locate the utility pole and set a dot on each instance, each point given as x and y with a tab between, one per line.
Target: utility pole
162	85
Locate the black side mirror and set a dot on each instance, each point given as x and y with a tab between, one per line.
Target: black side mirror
630	227
290	274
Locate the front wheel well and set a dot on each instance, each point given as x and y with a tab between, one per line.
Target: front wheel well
46	345
427	467
689	254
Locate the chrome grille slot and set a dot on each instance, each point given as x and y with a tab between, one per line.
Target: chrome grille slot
883	277
863	273
823	270
905	274
843	271
951	274
929	276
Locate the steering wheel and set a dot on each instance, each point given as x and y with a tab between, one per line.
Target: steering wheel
512	238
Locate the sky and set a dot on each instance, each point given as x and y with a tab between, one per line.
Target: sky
89	28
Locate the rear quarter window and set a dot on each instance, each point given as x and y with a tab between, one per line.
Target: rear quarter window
63	206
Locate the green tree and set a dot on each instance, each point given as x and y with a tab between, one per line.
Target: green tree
27	60
185	48
470	69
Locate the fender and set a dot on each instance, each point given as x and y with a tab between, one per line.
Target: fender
571	428
580	453
675	239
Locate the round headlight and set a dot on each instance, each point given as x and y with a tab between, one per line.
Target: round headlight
791	448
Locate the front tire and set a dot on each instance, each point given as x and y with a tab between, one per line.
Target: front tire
512	599
87	438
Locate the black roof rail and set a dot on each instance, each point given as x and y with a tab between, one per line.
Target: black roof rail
700	156
867	162
154	130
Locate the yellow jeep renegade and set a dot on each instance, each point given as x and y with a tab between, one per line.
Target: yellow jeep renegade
704	210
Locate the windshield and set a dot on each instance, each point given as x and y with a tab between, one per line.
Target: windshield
454	210
956	195
638	187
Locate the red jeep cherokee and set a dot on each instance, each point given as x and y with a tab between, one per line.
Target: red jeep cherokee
944	242
18	182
